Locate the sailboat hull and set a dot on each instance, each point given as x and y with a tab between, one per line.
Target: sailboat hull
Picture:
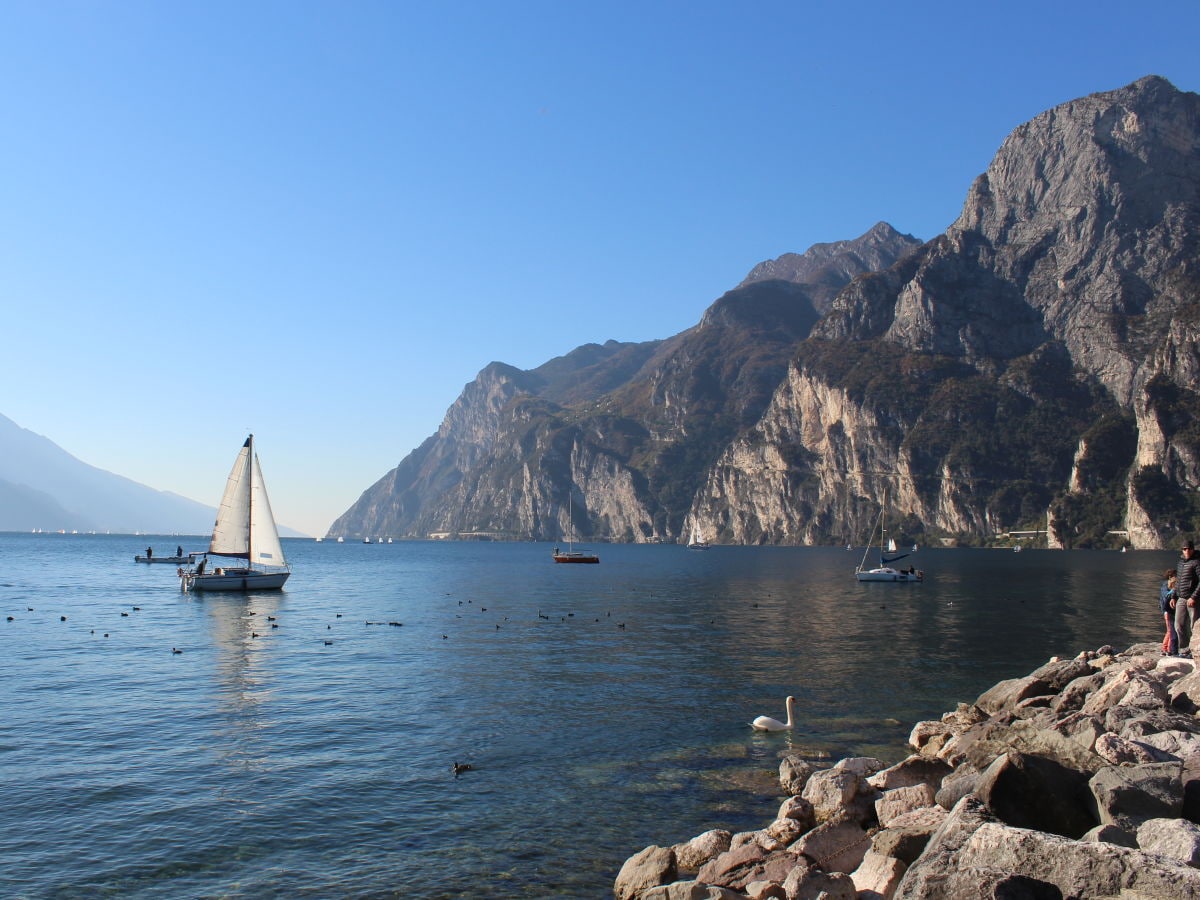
575	556
887	573
237	581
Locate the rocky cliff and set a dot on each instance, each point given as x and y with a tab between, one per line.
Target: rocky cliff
618	436
1036	362
1032	368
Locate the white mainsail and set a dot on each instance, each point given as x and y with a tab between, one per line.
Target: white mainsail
245	527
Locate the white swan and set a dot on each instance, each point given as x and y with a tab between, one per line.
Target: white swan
766	723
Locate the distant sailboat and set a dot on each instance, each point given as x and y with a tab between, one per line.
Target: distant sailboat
245	530
572	555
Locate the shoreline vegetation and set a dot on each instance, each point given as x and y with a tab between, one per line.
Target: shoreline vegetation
1080	779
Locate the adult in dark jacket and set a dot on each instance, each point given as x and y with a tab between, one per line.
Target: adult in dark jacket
1187	584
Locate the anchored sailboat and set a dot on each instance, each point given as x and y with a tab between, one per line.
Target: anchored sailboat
572	555
885	571
245	530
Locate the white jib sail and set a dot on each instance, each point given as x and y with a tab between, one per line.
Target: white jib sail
264	536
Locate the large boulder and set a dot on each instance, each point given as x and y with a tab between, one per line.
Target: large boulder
1176	838
831	791
835	846
689	890
877	876
898	801
1129	795
747	863
1078	868
646	869
912	770
1034	792
691	855
794	772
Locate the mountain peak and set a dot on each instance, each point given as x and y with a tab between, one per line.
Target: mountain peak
827	267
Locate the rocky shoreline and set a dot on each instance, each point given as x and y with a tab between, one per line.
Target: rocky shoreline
1079	780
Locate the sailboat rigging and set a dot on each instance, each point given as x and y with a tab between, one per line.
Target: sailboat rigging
885	571
244	530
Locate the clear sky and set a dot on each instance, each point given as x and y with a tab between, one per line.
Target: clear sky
317	221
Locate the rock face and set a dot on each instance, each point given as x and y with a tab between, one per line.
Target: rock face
1068	285
1033	368
1007	797
610	442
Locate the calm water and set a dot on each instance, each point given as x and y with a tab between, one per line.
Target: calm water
283	766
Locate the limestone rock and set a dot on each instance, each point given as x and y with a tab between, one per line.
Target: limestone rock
913	770
1132	794
1175	838
794	772
898	801
691	855
811	884
750	862
830	791
648	868
689	890
1035	792
877	876
835	846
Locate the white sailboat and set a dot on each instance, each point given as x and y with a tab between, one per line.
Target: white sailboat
245	531
885	571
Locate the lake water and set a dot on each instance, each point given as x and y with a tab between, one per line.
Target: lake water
601	708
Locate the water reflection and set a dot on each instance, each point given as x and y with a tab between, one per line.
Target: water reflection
238	625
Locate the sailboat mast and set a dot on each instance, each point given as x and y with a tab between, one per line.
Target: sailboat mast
250	505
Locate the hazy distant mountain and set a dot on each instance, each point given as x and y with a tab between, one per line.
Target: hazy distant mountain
43	486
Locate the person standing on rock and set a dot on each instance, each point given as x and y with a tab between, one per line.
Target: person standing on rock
1187	584
1166	603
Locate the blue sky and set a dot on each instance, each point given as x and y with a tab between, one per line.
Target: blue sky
317	221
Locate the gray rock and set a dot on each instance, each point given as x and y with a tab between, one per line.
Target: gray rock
836	846
904	844
689	890
913	770
794	772
956	786
812	884
1121	752
940	857
1078	868
1111	834
799	809
1175	838
1129	795
877	876
691	855
746	864
646	869
898	801
830	791
1034	792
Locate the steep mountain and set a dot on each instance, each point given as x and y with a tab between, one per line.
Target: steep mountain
43	486
630	430
1033	367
